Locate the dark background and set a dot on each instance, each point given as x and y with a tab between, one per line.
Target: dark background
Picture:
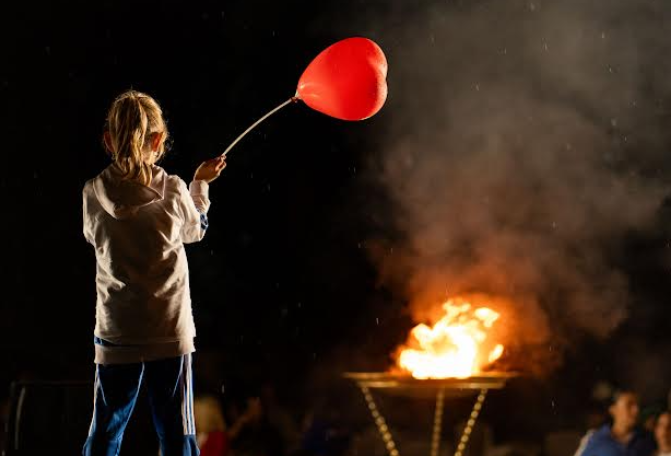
283	287
283	275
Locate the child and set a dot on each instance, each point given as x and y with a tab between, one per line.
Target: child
138	218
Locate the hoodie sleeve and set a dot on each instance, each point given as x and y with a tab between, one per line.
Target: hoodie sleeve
195	203
87	229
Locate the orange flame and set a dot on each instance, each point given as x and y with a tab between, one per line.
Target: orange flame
456	346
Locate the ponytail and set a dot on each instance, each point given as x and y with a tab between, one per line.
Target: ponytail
131	121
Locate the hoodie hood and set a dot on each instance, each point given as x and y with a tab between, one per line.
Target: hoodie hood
122	198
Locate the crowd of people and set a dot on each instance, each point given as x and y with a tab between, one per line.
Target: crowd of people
626	434
260	427
254	422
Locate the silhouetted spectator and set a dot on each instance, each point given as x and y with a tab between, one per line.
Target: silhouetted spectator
595	418
649	417
212	435
622	437
251	432
324	432
279	417
663	434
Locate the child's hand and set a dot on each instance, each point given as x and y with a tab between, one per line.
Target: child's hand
209	170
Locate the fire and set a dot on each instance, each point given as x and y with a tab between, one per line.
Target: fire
456	346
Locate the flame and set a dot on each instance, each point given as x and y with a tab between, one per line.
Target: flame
456	346
496	353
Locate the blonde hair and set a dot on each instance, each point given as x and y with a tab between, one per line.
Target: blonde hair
208	414
131	121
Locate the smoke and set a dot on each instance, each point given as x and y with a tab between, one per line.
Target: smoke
521	152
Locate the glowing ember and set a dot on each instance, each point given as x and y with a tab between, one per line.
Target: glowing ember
456	346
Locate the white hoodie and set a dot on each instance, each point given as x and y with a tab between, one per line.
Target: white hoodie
143	308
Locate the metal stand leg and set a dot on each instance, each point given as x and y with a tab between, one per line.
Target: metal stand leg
379	422
471	422
437	423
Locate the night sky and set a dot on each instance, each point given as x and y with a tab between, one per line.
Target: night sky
283	274
284	281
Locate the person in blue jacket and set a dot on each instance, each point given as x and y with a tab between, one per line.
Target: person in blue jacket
622	436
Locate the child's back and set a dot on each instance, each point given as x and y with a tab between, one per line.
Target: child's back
138	218
142	277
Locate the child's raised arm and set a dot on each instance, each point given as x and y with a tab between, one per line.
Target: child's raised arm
196	201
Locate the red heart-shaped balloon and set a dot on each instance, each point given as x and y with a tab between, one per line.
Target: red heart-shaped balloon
347	80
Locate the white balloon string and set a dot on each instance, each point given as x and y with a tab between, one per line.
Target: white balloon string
255	124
